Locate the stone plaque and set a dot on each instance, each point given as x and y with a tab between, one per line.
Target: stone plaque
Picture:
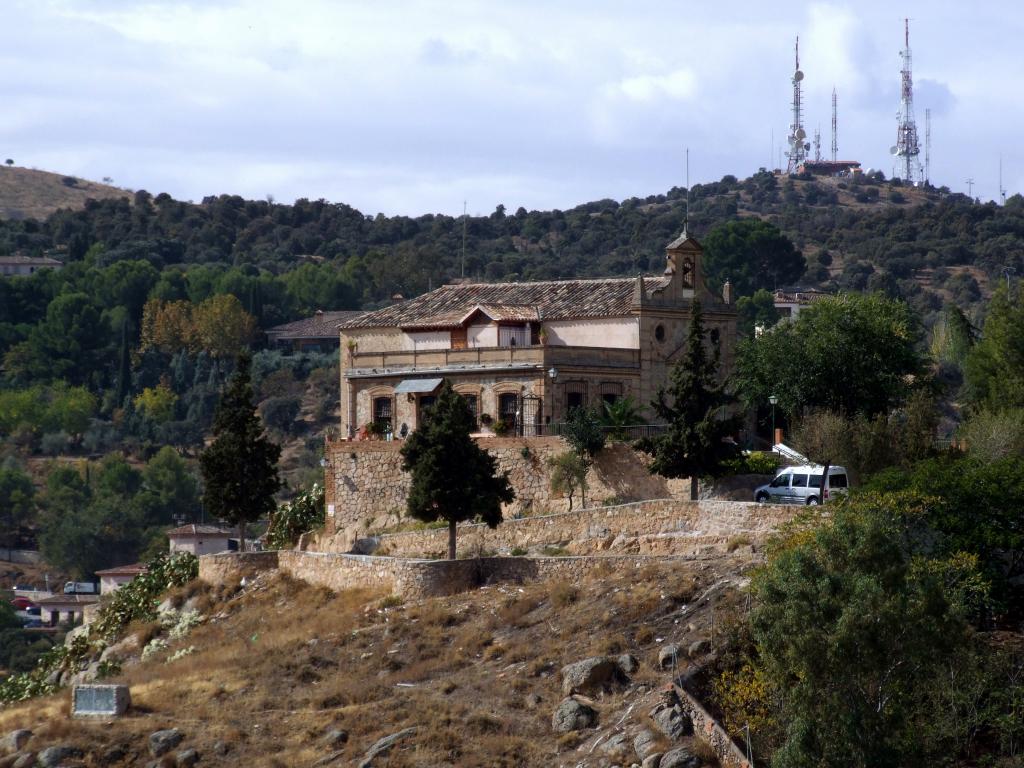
99	700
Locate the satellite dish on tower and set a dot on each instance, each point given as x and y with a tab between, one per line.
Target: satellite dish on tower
894	150
801	133
807	147
798	75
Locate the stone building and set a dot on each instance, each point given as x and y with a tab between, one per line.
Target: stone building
318	333
526	353
22	266
113	579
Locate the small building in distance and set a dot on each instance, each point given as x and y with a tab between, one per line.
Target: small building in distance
23	266
524	354
201	539
318	333
69	609
112	579
789	301
831	167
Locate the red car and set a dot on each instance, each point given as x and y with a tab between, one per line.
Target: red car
22	603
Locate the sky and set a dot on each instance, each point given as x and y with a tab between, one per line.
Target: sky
417	107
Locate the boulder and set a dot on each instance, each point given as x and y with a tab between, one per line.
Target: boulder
645	744
113	755
616	746
51	757
25	760
186	758
334	738
164	741
7	761
699	648
15	741
573	715
123	649
591	675
668	656
653	760
382	746
532	700
680	757
628	664
672	722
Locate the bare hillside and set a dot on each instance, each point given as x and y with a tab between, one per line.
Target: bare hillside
26	193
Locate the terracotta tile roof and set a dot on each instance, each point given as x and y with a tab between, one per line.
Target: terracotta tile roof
68	600
549	300
192	530
34	261
322	325
798	296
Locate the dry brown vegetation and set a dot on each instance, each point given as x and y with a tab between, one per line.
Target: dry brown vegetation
28	193
279	663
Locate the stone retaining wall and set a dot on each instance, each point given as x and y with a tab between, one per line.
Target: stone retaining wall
704	725
227	567
413	578
662	526
366	488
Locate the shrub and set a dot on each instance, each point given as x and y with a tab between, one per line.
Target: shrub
302	514
54	443
280	413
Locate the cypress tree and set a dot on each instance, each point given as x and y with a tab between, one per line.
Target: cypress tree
240	466
453	478
693	406
124	373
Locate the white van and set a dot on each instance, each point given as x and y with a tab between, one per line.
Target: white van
802	485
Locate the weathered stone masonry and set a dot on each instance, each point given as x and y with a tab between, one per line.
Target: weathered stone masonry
366	488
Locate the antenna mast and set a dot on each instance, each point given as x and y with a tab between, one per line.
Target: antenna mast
928	147
817	144
797	147
835	127
906	151
1002	191
463	270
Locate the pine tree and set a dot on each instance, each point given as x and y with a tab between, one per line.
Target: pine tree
240	465
124	374
693	406
453	478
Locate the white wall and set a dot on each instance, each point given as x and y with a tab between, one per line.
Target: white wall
618	333
109	584
420	340
482	336
205	546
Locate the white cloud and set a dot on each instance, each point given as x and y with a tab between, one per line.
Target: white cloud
678	85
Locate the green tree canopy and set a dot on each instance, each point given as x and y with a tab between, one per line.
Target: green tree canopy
693	406
850	354
169	488
994	367
756	310
17	503
239	467
453	478
751	254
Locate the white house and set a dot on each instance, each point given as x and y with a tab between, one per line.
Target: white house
199	539
113	578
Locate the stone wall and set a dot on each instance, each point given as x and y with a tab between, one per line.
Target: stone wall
227	567
659	527
366	488
705	726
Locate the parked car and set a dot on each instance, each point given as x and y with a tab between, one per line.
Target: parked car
32	624
22	603
802	485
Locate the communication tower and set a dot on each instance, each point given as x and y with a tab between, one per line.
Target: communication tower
817	144
906	152
835	128
797	135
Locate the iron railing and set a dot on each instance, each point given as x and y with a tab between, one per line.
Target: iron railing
626	433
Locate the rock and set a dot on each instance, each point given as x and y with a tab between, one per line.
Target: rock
123	649
382	746
616	746
25	760
15	741
186	758
680	757
699	648
532	700
220	748
573	715
334	738
591	675
645	744
54	756
7	761
668	656
330	758
653	760
114	754
673	722
628	664
164	741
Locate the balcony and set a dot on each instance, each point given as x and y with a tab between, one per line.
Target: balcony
364	364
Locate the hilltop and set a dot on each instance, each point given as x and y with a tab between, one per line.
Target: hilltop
27	193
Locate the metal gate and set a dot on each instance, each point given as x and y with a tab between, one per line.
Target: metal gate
530	424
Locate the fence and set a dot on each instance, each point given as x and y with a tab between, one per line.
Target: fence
626	433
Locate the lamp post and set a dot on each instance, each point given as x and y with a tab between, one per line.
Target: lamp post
773	400
552	374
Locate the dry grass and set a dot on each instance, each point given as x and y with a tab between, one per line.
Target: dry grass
28	193
289	662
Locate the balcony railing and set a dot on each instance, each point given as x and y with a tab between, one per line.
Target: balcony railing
627	433
470	357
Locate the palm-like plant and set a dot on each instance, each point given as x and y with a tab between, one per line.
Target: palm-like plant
619	414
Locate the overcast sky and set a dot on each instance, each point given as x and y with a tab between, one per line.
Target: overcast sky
414	107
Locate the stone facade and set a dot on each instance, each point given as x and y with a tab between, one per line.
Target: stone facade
661	527
366	489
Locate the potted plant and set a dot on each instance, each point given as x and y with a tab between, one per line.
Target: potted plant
501	427
542	335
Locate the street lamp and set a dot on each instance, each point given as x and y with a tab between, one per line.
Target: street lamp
774	401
